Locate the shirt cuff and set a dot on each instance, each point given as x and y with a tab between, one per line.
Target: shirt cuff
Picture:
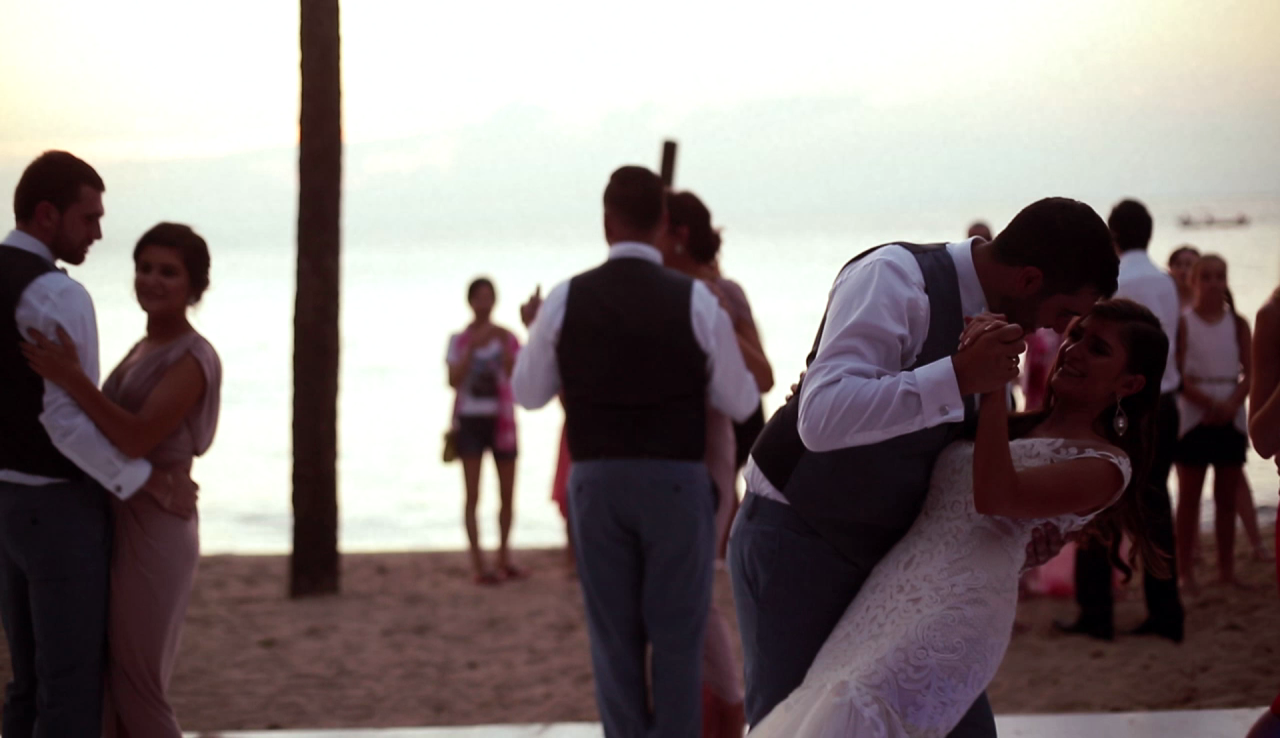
940	393
131	478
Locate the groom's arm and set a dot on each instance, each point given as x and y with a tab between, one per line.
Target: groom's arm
857	391
56	300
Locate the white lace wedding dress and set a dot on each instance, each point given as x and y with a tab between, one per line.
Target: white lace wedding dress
928	629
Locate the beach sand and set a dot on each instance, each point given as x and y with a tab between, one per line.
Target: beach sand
412	641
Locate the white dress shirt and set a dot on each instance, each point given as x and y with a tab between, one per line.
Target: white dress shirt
1143	282
731	388
859	391
51	300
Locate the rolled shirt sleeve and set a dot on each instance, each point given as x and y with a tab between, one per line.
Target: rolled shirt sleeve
536	377
858	391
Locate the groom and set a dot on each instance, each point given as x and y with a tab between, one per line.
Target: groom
840	472
54	463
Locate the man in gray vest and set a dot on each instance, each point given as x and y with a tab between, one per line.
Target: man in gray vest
841	471
1143	282
637	352
55	539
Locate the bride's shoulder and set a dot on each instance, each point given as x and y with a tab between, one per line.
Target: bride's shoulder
1070	448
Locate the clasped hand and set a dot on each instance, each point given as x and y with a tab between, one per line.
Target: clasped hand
987	359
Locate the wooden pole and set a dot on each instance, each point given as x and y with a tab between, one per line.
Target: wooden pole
668	163
314	564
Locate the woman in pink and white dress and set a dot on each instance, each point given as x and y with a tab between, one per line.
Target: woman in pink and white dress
480	360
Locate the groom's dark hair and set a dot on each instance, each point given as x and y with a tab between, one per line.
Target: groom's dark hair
54	177
1067	241
636	197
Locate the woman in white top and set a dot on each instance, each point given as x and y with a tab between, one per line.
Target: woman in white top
1213	354
1182	263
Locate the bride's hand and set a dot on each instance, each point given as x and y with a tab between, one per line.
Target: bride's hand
978	325
796	387
57	362
174	490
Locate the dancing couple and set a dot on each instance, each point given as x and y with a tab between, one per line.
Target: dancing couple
99	536
876	557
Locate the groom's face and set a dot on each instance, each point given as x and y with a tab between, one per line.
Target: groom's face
77	227
1052	311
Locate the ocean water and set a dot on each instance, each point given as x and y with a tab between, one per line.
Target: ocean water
402	298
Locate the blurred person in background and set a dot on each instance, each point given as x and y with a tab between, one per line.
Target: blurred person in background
480	360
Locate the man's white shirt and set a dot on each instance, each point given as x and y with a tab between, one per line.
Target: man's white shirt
1143	282
731	388
52	300
859	390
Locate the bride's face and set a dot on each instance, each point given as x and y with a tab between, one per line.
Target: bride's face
1092	369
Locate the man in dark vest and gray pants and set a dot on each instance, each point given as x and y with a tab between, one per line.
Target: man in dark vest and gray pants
55	539
637	351
841	471
1143	282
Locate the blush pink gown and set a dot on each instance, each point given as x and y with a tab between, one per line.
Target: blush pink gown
155	551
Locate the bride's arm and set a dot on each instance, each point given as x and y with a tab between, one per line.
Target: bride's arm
135	434
1039	492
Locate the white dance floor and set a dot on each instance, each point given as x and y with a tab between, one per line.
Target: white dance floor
1190	723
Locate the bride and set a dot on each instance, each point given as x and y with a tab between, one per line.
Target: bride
925	634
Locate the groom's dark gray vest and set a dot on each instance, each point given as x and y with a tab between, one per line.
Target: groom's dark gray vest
633	376
863	499
24	443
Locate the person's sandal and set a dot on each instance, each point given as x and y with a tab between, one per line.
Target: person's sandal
488	579
511	572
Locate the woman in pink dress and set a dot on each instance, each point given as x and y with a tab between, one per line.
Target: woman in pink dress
1264	429
694	250
560	496
160	403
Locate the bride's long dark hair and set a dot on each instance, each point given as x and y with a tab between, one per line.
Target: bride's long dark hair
1148	349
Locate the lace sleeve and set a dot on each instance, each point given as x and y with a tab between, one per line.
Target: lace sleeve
1120	460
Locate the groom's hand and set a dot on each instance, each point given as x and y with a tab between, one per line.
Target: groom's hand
978	325
990	361
1046	542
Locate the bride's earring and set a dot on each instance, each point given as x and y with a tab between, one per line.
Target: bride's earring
1121	421
679	248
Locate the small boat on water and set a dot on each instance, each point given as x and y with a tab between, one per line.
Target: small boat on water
1211	221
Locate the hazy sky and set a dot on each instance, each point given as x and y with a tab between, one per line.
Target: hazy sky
793	101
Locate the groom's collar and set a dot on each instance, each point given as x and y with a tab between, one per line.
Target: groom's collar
972	299
29	243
